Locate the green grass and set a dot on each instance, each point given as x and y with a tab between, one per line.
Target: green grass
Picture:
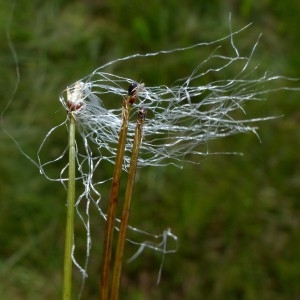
236	217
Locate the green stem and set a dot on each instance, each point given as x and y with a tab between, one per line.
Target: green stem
67	276
108	238
126	209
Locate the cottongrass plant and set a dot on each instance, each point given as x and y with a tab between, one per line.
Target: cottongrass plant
180	118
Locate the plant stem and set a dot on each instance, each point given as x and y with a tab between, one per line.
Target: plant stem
67	276
126	209
108	238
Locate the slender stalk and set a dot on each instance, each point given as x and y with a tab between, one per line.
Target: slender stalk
126	209
105	278
67	275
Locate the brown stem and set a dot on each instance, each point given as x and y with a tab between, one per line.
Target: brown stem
126	209
113	202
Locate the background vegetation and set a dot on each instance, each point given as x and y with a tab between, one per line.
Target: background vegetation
237	218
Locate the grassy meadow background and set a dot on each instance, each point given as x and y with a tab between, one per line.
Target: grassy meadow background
237	218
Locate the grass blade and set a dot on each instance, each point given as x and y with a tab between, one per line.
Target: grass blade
67	274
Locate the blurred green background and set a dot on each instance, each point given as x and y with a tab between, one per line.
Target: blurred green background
237	218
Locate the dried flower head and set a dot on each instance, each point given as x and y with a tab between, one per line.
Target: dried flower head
75	97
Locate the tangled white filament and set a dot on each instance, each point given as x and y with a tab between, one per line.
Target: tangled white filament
180	118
